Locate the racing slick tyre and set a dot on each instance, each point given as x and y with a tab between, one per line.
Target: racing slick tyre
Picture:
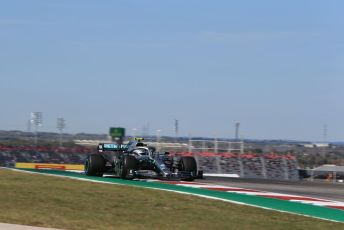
188	164
95	165
129	163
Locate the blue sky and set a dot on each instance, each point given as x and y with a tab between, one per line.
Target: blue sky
275	66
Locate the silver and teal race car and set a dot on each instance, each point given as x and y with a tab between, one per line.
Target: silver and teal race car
137	160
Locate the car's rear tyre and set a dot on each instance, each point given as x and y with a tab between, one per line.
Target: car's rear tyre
95	165
188	164
129	163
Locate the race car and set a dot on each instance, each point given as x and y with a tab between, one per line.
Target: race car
137	160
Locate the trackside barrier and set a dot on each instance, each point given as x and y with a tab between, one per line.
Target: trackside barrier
49	166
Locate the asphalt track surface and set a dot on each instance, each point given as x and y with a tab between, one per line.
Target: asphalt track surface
322	190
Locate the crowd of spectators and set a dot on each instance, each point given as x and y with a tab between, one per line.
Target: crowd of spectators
248	165
9	155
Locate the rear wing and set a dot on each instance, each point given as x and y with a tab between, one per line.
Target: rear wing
112	147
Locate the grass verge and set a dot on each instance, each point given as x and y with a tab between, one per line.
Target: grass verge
68	204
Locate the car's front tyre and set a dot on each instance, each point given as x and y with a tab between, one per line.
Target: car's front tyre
95	165
128	163
188	164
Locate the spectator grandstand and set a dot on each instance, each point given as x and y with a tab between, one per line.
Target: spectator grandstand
9	155
247	165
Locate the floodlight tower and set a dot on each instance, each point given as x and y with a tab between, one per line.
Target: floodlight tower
158	139
60	125
134	131
237	127
36	120
325	134
176	128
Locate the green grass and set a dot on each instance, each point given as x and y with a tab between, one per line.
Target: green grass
69	204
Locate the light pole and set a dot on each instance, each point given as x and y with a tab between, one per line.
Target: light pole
134	132
158	139
176	129
36	120
60	125
215	143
